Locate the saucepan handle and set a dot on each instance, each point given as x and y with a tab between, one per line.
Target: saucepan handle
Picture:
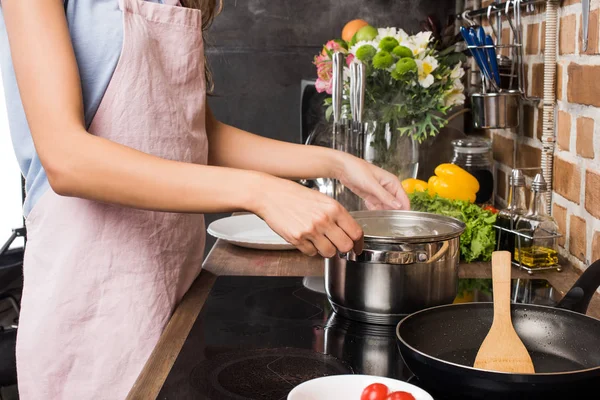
579	296
439	254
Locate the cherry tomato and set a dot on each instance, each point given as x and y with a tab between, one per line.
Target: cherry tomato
375	391
400	396
491	209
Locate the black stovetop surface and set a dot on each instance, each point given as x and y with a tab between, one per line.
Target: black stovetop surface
258	337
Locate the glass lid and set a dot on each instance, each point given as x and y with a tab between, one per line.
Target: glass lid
407	226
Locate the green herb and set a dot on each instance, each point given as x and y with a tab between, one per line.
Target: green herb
478	241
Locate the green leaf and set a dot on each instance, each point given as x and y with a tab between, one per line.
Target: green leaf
328	112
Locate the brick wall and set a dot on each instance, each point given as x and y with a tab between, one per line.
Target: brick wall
576	183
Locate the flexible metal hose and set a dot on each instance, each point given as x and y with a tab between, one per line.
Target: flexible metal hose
548	110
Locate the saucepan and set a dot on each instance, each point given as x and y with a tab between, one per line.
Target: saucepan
409	262
439	346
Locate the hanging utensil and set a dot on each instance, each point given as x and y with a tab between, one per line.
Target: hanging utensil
492	56
585	19
480	58
489	53
502	349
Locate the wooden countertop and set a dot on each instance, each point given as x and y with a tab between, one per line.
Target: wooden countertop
225	259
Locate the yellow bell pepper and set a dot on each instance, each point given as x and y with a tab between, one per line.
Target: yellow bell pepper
457	175
410	185
454	183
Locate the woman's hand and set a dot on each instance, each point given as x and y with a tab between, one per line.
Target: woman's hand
311	221
379	189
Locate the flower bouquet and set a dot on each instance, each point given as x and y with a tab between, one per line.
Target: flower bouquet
410	86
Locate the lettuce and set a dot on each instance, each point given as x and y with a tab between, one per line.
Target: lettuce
478	241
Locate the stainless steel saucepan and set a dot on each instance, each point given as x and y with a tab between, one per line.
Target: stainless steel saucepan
409	262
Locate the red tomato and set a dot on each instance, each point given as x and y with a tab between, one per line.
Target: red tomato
375	391
400	396
491	209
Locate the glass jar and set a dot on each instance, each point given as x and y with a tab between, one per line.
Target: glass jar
474	154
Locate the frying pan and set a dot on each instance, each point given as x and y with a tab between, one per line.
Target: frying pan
439	346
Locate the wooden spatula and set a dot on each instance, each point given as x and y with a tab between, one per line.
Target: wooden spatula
502	349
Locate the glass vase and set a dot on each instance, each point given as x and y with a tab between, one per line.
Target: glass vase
387	148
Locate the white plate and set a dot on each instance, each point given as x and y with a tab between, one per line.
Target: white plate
248	230
350	387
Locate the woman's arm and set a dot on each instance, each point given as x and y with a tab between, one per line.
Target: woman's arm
83	165
235	148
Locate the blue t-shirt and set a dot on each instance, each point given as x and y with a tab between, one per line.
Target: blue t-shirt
96	28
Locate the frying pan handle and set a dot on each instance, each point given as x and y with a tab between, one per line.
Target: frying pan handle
579	296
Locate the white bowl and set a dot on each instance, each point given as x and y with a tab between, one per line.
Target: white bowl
350	387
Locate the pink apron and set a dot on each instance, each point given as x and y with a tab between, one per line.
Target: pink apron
100	280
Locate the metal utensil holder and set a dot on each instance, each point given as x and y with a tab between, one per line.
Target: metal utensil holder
498	106
519	236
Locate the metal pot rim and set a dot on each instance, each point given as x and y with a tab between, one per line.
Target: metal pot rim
456	225
507	93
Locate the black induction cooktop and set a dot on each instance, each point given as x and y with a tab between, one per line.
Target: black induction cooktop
258	337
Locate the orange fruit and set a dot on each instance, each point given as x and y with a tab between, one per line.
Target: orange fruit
352	27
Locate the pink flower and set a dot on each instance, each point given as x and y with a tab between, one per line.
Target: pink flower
334	46
323	86
349	59
324	72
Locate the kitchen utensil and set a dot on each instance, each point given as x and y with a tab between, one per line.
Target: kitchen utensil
585	19
492	57
349	135
361	84
489	53
349	387
496	110
409	262
502	349
439	346
336	101
478	54
248	230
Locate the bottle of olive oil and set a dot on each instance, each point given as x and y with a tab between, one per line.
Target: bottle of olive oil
537	246
507	217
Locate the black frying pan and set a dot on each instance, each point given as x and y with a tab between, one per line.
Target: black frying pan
439	346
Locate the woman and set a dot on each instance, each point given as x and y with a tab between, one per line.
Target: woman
122	157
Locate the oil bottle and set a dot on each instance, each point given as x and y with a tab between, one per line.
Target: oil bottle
505	239
536	232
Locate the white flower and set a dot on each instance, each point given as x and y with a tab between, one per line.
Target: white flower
397	34
454	99
426	66
401	36
418	43
455	95
346	73
457	72
385	32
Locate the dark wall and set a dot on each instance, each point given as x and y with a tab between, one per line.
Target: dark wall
260	50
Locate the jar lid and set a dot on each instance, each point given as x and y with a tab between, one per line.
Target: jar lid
472	145
399	226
